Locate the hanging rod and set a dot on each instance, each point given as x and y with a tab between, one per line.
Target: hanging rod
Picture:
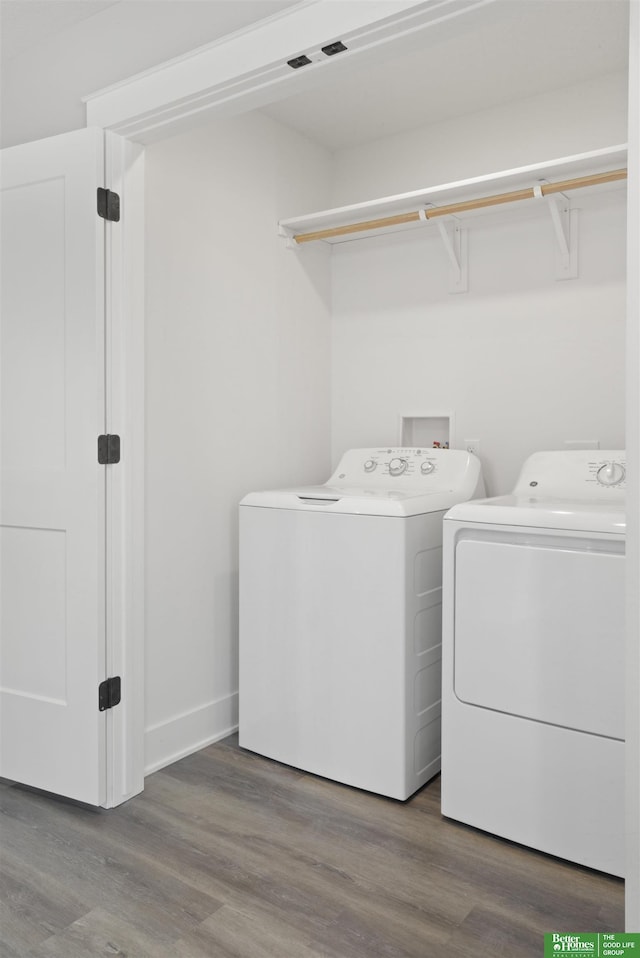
533	192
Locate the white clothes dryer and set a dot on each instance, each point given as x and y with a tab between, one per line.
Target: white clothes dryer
341	617
533	659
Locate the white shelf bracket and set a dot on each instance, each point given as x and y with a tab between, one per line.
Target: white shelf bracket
456	248
560	226
565	227
565	224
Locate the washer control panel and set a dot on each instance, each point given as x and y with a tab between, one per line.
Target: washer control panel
403	468
611	473
575	474
397	466
395	462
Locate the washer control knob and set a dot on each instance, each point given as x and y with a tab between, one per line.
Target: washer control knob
611	474
397	467
427	467
370	465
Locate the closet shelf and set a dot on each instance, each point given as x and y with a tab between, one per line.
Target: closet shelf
599	169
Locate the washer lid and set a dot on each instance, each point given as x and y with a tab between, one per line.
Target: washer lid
580	515
353	501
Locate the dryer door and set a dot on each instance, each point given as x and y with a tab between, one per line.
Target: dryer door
539	627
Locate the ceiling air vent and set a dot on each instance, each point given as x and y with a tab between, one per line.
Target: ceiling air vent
332	48
298	62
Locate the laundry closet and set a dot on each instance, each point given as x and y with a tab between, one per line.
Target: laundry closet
264	362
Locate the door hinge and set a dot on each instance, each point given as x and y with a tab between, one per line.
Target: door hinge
108	205
108	450
109	693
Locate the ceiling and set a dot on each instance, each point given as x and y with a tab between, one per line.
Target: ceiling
507	50
27	23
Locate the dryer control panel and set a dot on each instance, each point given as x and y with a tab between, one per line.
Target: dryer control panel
576	474
403	468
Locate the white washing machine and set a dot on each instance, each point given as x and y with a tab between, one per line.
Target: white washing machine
341	617
533	659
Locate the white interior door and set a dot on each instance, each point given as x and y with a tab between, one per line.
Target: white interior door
52	496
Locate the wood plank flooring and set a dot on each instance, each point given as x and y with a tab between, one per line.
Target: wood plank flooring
229	855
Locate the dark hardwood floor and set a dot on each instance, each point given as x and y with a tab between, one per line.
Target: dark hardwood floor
228	854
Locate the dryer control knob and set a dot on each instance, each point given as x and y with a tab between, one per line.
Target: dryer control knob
370	465
611	474
397	467
427	467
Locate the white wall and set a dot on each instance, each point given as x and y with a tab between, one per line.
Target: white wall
240	365
524	361
238	379
575	119
249	344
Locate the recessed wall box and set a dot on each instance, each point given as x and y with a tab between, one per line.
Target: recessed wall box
427	430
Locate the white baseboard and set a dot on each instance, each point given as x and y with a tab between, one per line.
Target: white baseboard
172	740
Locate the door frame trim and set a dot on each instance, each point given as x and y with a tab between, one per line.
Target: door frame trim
632	658
249	68
125	503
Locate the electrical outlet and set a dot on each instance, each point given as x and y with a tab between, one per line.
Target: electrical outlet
472	446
